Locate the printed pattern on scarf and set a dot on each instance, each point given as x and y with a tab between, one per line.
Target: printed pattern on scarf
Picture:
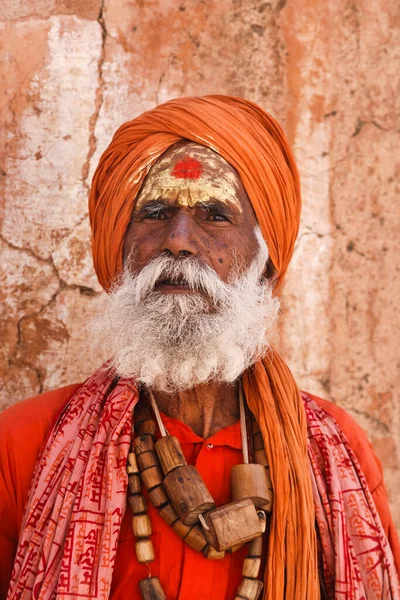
77	501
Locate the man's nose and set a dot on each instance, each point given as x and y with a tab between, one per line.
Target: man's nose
180	238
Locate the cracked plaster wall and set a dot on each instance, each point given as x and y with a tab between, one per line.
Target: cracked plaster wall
73	71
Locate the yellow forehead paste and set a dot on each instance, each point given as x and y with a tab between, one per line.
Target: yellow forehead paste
187	178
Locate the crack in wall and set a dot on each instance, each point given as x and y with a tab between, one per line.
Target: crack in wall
98	100
88	291
28	251
72	229
49	261
20	359
17	356
361	124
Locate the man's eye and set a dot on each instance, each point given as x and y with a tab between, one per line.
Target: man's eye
156	215
217	217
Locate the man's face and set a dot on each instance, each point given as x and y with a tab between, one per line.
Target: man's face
173	324
192	204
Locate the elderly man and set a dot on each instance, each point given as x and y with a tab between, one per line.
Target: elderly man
237	485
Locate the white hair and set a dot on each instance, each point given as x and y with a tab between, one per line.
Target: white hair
173	342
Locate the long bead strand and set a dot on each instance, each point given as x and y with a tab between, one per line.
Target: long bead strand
151	462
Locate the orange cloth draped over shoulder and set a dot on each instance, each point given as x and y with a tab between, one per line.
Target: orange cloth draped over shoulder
255	145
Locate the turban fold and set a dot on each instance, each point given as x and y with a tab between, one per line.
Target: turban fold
255	145
238	130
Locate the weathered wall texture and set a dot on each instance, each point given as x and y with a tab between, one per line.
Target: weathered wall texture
73	71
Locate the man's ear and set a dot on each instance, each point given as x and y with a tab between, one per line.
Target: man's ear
270	273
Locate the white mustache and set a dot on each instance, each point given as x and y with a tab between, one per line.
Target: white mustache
190	271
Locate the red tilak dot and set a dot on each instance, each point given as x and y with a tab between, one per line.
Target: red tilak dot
188	168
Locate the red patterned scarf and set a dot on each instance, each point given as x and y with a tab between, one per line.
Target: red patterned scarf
357	560
77	500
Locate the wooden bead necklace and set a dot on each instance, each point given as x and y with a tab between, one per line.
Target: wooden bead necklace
181	498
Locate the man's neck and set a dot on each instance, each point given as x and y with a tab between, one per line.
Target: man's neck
205	408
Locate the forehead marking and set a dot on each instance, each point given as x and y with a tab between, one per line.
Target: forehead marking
187	168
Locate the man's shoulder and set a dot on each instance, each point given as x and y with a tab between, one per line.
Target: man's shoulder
23	430
34	414
357	440
24	426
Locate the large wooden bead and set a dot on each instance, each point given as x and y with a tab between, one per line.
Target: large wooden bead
251	481
143	443
181	529
249	589
196	539
251	567
138	504
151	589
158	497
169	453
152	477
168	513
141	526
230	525
144	551
188	493
147	460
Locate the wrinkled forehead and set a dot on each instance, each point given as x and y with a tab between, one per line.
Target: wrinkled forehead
189	174
189	161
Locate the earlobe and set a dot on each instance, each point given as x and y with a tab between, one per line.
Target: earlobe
270	273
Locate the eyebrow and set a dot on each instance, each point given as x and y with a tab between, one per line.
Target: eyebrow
223	207
154	205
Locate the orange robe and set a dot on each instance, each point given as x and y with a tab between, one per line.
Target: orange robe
184	573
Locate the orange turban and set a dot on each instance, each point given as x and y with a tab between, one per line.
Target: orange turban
239	130
252	142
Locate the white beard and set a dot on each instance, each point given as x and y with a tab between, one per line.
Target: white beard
173	342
